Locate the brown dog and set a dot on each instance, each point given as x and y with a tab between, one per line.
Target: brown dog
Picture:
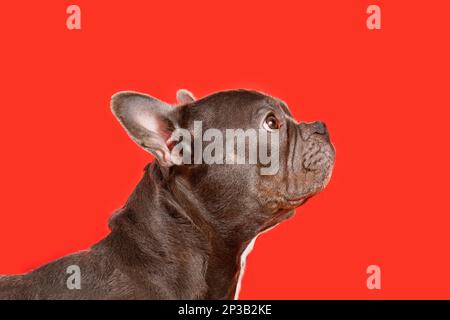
184	231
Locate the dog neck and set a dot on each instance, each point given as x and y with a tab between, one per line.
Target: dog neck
168	226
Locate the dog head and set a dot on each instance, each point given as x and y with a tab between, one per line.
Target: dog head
199	143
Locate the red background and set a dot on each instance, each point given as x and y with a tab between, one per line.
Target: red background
66	164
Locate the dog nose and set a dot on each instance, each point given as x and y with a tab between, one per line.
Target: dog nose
319	127
310	128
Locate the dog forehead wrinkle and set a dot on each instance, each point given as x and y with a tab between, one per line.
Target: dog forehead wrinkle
236	98
291	118
237	103
284	107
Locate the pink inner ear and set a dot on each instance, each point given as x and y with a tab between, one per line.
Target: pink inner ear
170	144
155	124
164	130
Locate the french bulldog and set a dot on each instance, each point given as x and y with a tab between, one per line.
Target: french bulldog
187	226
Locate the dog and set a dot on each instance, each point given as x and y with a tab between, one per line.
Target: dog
185	230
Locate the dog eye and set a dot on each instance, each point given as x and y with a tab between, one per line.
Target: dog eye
271	123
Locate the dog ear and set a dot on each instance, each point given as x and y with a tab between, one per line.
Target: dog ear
148	121
184	96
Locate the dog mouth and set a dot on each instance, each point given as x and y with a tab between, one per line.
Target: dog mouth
313	162
317	162
299	200
318	156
